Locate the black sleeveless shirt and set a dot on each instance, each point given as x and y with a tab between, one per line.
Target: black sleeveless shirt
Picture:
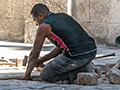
69	35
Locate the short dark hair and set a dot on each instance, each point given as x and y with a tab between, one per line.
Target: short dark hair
39	8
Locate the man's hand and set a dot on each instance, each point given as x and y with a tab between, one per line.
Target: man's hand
40	63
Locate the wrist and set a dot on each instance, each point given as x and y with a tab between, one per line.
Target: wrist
41	60
27	76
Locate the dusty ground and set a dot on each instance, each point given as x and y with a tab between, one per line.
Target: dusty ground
18	50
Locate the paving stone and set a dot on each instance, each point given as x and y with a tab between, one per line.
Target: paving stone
37	85
87	79
98	71
108	66
114	76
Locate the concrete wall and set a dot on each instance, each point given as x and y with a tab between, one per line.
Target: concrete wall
100	18
30	28
12	20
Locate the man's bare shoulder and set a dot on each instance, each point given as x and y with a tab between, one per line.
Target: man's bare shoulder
46	28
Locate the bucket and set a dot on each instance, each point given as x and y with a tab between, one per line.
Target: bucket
117	41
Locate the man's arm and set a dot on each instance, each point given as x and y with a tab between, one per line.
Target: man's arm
43	31
55	52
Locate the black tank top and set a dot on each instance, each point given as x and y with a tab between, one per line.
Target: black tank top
69	35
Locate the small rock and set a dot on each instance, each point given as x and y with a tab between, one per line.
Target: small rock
87	79
114	76
98	71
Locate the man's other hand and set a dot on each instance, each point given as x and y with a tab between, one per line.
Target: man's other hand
39	63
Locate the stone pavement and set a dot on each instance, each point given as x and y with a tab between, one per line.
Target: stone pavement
104	50
18	50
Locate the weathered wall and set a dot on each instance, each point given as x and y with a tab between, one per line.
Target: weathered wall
12	20
30	28
105	20
100	18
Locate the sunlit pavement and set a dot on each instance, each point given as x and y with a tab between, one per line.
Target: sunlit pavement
19	50
13	50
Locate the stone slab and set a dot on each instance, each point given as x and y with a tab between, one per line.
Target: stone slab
87	79
12	29
17	9
5	9
114	76
82	10
104	11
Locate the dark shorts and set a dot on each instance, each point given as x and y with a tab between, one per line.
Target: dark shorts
61	67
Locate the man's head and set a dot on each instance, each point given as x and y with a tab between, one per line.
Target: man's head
39	11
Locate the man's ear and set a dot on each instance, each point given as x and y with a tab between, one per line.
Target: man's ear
41	15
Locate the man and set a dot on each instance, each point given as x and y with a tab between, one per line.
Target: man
74	47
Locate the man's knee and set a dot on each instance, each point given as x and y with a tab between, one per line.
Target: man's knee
45	77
